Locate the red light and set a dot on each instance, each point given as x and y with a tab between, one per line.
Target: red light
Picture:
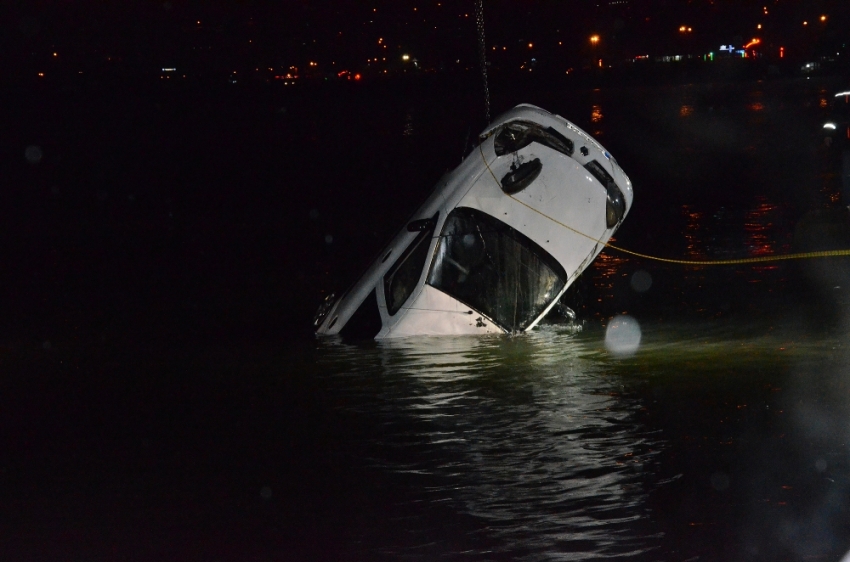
357	76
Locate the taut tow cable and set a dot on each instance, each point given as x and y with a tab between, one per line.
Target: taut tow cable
739	261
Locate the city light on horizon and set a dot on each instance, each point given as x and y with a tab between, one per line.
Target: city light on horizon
442	37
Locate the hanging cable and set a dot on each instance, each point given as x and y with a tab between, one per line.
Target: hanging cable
482	55
740	261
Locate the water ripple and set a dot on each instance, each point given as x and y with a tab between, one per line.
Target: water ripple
528	436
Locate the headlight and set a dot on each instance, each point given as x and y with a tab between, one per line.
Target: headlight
830	126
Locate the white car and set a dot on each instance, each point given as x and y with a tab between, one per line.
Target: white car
498	242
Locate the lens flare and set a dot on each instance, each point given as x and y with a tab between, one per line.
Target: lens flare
641	281
622	336
33	154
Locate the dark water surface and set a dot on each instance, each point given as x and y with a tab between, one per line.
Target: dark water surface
162	397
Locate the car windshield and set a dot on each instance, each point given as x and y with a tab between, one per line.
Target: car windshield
495	269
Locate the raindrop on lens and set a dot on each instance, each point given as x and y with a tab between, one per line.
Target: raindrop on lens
266	493
33	154
314	214
641	281
719	481
329	239
820	465
622	336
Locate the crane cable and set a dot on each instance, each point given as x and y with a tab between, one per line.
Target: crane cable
740	261
482	55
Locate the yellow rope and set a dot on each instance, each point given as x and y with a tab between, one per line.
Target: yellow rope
760	259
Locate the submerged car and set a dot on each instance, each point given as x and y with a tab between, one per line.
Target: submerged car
499	240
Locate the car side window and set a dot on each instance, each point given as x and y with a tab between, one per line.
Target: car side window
402	277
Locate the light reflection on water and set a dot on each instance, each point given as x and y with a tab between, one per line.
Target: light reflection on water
528	435
692	235
606	269
596	114
543	446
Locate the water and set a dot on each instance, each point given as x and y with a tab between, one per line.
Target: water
521	443
163	399
719	443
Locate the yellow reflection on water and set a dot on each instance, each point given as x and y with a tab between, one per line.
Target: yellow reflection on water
692	234
605	269
596	114
759	228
